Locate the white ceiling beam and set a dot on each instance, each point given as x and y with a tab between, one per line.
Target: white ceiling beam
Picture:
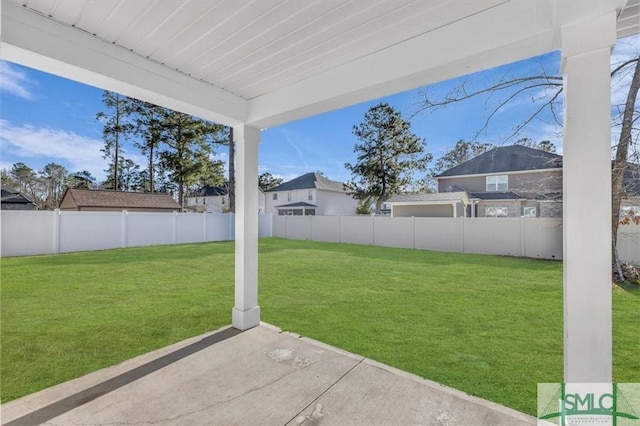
36	41
505	33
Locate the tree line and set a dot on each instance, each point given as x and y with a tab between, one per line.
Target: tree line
45	187
179	148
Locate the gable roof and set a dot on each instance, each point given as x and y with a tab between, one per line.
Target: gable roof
310	181
120	199
13	196
506	159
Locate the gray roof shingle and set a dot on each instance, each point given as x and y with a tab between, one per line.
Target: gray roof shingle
297	204
13	196
437	196
310	181
506	159
120	199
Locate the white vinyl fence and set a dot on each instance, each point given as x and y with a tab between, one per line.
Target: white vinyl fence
526	237
47	232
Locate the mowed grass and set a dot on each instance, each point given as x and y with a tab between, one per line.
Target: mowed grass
488	325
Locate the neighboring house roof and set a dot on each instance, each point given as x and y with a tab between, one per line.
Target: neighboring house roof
496	195
214	191
506	159
120	199
310	181
297	204
430	197
508	195
13	196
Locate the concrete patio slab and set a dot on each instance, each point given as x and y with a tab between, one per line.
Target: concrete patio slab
260	376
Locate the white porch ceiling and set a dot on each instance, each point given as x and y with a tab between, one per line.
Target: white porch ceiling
265	62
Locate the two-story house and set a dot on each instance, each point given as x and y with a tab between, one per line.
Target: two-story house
215	199
508	181
310	194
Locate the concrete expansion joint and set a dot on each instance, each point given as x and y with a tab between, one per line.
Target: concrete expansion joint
319	412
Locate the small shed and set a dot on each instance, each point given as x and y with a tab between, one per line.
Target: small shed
102	200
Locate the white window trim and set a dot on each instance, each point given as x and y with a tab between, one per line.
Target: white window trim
489	208
495	181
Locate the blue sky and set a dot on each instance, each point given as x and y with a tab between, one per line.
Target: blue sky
44	118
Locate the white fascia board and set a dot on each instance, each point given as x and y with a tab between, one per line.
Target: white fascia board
424	203
517	172
36	41
505	33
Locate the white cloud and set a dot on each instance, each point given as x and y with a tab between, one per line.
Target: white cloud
4	165
77	152
14	81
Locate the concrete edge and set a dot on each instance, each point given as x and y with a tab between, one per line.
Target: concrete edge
25	405
452	391
324	346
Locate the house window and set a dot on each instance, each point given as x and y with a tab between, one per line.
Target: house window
497	183
310	196
529	212
275	195
495	212
288	196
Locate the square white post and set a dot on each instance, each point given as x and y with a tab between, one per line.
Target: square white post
586	51
246	313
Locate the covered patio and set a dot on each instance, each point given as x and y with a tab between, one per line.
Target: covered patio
257	64
257	377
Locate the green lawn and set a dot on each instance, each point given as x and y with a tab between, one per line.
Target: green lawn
488	325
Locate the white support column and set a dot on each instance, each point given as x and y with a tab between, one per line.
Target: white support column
246	313
586	50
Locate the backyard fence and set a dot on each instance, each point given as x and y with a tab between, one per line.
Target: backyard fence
526	237
49	232
46	232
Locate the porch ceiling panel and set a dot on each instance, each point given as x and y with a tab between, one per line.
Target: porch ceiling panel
629	19
265	62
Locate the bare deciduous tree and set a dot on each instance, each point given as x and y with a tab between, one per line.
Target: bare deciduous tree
545	93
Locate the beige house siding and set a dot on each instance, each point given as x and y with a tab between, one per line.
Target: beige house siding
469	183
529	182
68	204
550	209
536	183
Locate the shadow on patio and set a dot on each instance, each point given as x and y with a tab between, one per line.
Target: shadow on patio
260	376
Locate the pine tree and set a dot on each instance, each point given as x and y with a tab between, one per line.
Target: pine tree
387	157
